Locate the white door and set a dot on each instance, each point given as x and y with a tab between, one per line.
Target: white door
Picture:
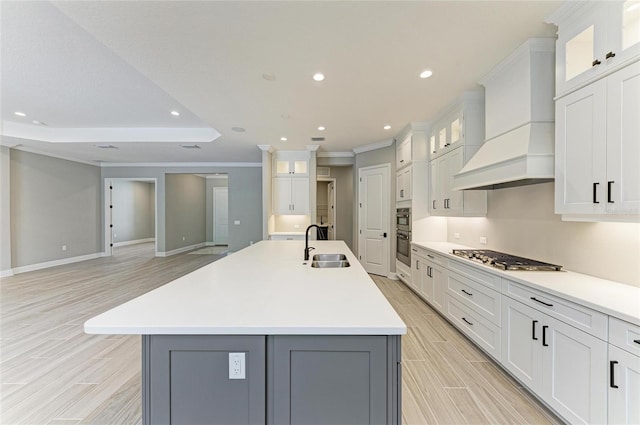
624	387
220	215
374	241
331	211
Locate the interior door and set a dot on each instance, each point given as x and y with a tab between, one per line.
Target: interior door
374	242
220	215
331	211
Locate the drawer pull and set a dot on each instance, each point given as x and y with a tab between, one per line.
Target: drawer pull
637	341
612	378
467	322
541	302
430	256
610	55
596	62
468	293
533	330
414	250
544	336
595	193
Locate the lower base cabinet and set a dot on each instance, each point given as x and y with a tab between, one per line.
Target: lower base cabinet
289	379
624	387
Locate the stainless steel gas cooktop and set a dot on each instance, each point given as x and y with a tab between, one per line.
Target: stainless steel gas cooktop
504	261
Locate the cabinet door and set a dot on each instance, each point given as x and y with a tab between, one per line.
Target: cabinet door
329	380
417	275
282	195
439	282
403	187
580	182
444	183
300	195
455	202
435	205
623	141
521	342
427	279
575	373
624	387
623	36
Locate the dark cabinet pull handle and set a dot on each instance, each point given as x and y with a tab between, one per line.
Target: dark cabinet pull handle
430	256
544	336
417	264
533	330
637	341
414	250
541	302
612	378
402	160
609	183
434	204
595	193
595	62
468	293
610	55
467	322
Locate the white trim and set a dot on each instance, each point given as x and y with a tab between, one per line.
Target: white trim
180	250
54	263
335	203
313	148
350	154
224	176
394	276
540	44
373	146
209	244
266	148
53	155
213	208
133	242
6	273
182	164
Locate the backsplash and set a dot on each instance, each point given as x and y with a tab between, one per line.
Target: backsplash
290	223
520	221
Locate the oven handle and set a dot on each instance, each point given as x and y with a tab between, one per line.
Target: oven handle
403	237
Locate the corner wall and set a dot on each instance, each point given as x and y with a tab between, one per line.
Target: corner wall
5	211
211	183
133	210
185	221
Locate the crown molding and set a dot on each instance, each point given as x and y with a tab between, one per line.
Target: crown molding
53	155
266	148
350	154
373	146
183	164
312	148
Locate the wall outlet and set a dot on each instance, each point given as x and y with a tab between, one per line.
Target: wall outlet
236	366
64	247
483	240
456	235
184	238
236	222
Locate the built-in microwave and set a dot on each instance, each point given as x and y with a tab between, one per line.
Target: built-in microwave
403	219
403	235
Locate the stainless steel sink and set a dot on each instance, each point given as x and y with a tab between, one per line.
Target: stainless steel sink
329	264
329	257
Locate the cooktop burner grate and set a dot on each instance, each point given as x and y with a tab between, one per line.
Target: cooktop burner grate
505	261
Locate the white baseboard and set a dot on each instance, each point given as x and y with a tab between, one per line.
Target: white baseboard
47	264
393	276
133	242
209	244
6	273
180	250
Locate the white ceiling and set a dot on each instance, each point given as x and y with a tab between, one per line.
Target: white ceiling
110	72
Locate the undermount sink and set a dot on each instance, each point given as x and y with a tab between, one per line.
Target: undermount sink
329	264
329	257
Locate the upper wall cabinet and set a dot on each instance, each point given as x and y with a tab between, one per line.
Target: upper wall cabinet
286	163
412	145
594	38
403	153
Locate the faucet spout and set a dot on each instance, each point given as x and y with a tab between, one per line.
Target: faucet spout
307	248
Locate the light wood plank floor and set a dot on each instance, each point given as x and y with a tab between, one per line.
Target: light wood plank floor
53	373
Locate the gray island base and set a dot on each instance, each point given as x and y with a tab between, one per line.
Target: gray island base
318	345
290	379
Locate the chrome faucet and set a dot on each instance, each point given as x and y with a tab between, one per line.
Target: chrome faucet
308	248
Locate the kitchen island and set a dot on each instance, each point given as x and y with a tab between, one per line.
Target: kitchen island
313	345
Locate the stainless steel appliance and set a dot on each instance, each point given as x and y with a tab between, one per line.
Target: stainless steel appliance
403	235
504	261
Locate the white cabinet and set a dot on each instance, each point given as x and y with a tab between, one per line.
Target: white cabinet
624	372
447	202
417	272
290	195
594	38
403	152
598	146
566	367
286	163
403	184
435	283
459	124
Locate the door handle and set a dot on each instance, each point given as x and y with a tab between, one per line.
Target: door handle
595	193
533	330
544	336
434	205
612	378
467	322
609	183
468	293
384	235
417	264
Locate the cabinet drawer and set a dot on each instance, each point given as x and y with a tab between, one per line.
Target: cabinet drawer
624	335
403	272
428	255
590	321
483	300
472	272
479	329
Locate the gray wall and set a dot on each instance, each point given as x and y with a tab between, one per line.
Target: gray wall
367	159
5	209
133	210
345	200
53	203
211	183
185	221
245	198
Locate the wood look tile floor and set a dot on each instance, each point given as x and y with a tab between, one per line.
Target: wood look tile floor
51	372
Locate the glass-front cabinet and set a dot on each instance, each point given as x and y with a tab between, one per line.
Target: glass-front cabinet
287	163
594	38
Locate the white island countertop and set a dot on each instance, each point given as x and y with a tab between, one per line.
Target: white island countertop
609	297
264	289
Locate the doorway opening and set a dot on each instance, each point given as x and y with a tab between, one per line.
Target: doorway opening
326	208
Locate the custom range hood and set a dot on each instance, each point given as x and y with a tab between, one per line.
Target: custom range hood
519	122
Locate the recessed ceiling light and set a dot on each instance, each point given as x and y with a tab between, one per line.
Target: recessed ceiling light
36	122
387	127
284	139
20	114
175	113
238	129
269	77
105	146
318	76
321	128
426	73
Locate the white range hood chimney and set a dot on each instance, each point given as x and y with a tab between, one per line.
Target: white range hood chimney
519	122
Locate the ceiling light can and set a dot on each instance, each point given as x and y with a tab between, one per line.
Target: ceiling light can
426	73
318	76
284	139
20	114
175	113
321	128
387	127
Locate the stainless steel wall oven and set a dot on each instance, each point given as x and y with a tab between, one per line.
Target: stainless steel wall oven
403	235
